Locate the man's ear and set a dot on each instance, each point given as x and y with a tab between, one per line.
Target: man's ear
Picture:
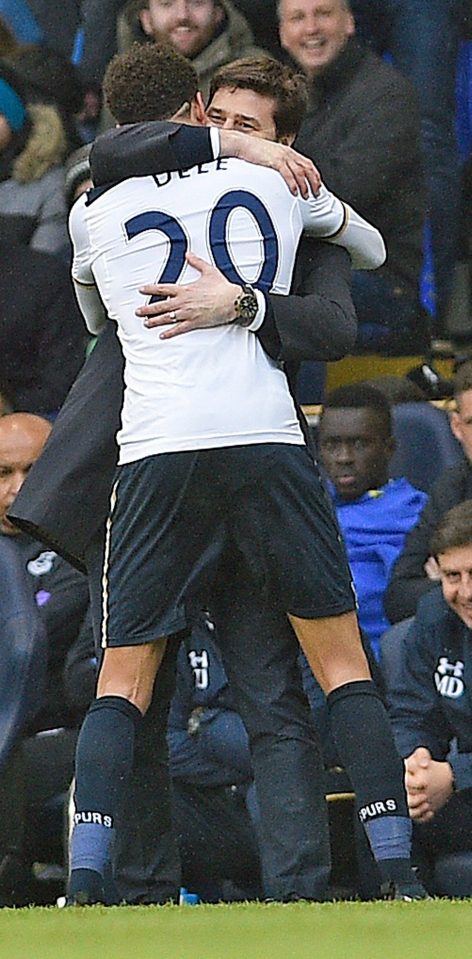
145	21
455	424
287	140
197	110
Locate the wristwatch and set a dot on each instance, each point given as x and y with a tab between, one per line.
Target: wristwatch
246	306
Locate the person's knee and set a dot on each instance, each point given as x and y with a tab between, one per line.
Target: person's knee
130	672
333	649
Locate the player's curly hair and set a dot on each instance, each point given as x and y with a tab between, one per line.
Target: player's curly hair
269	78
148	82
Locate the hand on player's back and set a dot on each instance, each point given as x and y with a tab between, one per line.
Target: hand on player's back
207	302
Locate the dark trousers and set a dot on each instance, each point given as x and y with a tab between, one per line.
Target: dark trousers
260	652
217	841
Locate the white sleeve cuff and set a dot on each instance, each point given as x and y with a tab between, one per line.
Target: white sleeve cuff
261	312
215	141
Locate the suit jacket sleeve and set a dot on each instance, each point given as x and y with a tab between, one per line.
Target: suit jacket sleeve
318	321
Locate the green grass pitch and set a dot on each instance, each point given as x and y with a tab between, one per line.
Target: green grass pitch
423	930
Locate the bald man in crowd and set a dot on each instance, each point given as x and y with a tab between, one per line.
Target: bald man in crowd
43	604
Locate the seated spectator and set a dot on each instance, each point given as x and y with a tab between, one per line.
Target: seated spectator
42	336
415	571
363	132
39	765
430	705
208	32
374	513
32	148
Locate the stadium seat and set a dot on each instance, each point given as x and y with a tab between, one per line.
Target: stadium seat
425	443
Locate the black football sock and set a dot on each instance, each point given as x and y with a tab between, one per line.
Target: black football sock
364	740
104	760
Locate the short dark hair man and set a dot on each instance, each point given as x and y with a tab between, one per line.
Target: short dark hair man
375	513
260	97
430	707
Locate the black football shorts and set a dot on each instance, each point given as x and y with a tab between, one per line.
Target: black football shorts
172	514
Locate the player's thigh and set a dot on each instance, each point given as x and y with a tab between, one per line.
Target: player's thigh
287	530
161	548
130	672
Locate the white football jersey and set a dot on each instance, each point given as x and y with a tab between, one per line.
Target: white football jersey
207	388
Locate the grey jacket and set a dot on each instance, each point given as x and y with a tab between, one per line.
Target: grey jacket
32	198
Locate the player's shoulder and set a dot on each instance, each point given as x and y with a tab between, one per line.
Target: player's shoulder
255	176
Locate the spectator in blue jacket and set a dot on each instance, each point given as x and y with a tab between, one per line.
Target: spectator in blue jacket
374	512
430	705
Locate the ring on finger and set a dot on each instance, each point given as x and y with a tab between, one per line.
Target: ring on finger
173	316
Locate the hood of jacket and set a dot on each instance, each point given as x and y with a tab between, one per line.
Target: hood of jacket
235	39
45	147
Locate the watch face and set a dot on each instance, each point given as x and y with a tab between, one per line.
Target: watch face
248	305
246	308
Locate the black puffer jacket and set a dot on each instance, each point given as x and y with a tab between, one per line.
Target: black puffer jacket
363	133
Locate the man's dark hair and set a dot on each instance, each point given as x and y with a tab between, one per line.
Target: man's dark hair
454	529
148	82
463	379
359	396
269	78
